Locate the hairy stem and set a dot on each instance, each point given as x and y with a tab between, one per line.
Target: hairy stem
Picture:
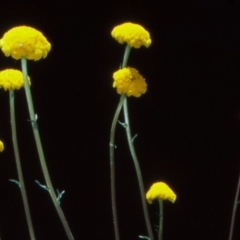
48	181
18	165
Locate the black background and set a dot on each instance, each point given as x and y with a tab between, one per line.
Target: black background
188	122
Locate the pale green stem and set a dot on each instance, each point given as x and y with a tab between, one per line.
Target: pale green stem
126	56
33	120
112	148
160	230
112	167
137	168
234	210
18	165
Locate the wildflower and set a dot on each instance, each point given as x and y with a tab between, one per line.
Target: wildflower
128	81
25	42
160	190
11	79
1	146
133	34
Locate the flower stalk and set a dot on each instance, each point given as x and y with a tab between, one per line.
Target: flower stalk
123	102
112	166
160	230
33	120
126	56
235	203
18	165
112	148
137	168
133	153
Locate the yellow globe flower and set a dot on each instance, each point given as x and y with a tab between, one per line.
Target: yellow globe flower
11	79
1	146
133	34
128	81
25	42
160	190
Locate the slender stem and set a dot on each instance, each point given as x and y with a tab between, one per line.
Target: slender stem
160	230
126	56
112	148
112	166
138	170
234	209
18	165
33	120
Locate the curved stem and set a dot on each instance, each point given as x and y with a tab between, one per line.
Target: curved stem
234	209
33	120
18	165
112	148
138	170
160	230
112	166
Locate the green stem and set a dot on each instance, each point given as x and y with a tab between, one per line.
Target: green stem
18	165
160	230
40	151
112	148
234	210
138	170
126	56
112	167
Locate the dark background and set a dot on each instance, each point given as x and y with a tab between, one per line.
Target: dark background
188	122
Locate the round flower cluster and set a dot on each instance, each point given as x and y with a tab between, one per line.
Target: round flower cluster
25	42
160	190
133	34
128	81
1	146
11	79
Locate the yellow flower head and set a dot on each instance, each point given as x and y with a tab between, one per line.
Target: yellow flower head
11	79
128	81
160	190
25	42
1	146
133	34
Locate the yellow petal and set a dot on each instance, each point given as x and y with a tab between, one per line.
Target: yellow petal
25	42
132	34
128	81
160	190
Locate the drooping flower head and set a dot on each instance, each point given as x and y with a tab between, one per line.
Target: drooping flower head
128	81
25	42
11	79
132	34
160	190
1	146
